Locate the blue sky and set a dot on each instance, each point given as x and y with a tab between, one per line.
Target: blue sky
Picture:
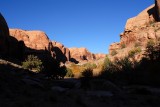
93	24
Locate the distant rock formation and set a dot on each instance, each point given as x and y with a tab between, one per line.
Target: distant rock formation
38	40
82	54
99	56
138	31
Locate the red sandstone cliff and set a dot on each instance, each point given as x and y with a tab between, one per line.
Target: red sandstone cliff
138	32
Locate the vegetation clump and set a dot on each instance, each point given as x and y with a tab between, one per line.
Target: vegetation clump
153	50
69	73
137	44
88	72
123	45
90	65
150	43
114	52
129	71
134	51
32	63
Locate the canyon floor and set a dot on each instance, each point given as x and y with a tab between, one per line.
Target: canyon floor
22	88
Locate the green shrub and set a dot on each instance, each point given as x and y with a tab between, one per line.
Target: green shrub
107	63
123	45
124	64
151	23
114	52
119	70
150	43
90	65
134	51
152	50
137	44
32	63
131	53
69	73
88	72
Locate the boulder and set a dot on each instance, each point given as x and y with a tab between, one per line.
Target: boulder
99	94
104	85
32	82
58	89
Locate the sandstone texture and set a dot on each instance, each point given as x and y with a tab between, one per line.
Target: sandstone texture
38	40
33	39
99	56
81	54
145	17
138	32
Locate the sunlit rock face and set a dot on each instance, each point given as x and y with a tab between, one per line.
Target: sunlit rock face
99	56
38	40
33	39
81	54
138	31
145	17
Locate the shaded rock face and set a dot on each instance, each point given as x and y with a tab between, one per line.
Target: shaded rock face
157	9
138	31
61	53
4	34
9	46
